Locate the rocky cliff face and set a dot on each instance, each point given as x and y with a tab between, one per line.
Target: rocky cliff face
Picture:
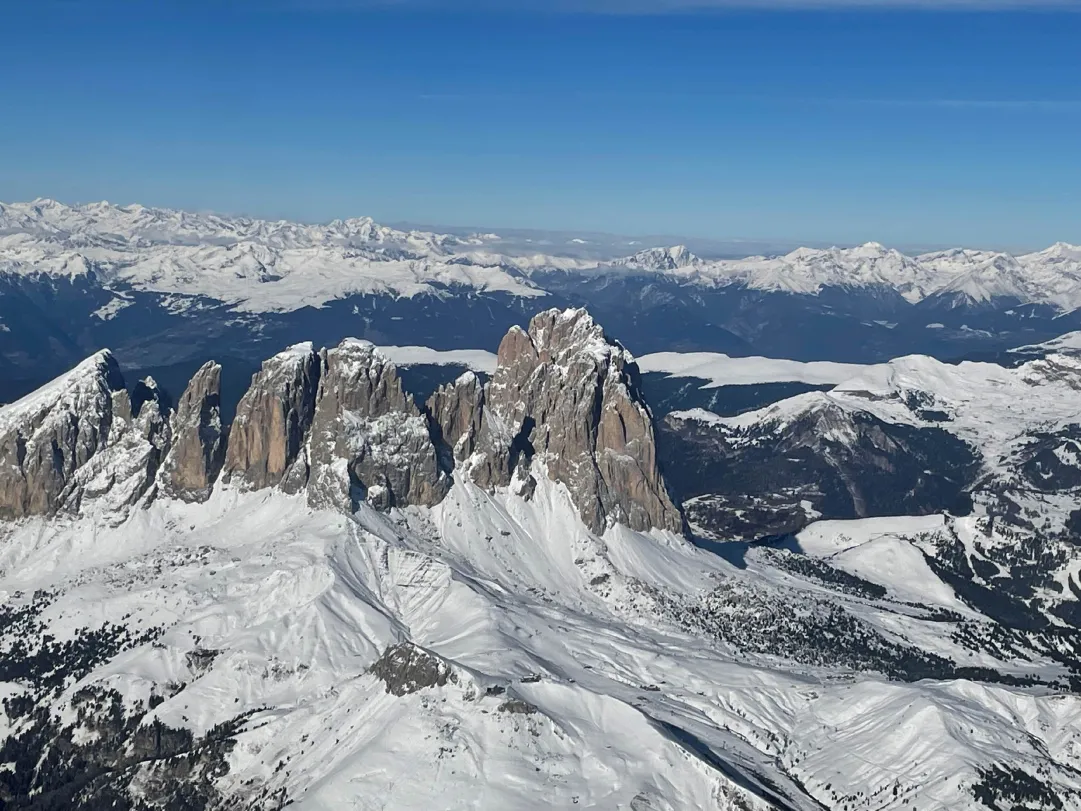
563	403
198	442
369	441
564	395
267	437
78	438
456	410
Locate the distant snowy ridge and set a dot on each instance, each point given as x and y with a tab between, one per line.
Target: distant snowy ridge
477	360
1002	413
719	369
274	266
722	370
1051	276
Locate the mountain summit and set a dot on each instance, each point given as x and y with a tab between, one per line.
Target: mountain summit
563	403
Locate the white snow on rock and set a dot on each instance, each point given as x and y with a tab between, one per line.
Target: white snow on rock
1068	343
881	550
566	682
491	652
985	403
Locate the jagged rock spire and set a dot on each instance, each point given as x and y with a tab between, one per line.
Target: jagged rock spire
566	396
369	441
198	444
268	434
77	437
456	410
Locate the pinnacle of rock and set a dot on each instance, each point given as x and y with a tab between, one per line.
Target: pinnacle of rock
198	443
266	440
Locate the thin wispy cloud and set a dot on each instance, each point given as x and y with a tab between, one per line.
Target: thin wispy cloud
1004	105
1050	106
690	6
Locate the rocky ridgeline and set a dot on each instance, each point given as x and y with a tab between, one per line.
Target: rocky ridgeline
338	425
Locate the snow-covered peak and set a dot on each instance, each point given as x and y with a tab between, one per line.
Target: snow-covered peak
561	334
990	406
660	259
991	276
141	226
872	248
254	265
1058	251
809	270
75	392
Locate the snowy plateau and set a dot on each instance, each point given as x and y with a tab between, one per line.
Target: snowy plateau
429	537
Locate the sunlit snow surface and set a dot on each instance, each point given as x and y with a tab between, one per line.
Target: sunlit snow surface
609	701
721	370
279	266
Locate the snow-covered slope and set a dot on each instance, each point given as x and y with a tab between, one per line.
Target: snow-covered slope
253	265
493	653
988	405
1052	276
478	360
913	435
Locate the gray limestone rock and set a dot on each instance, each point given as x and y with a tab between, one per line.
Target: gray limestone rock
565	396
78	439
198	444
456	409
369	441
266	439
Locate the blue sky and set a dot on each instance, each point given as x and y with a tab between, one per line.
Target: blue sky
809	122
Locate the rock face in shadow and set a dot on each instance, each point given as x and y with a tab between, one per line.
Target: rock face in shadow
564	395
369	441
77	438
456	409
198	443
266	439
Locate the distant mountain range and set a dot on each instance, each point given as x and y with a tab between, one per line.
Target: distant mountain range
163	286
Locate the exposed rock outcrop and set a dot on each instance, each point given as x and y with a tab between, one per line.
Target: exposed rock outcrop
198	442
266	440
339	424
405	668
456	409
565	395
78	438
369	441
